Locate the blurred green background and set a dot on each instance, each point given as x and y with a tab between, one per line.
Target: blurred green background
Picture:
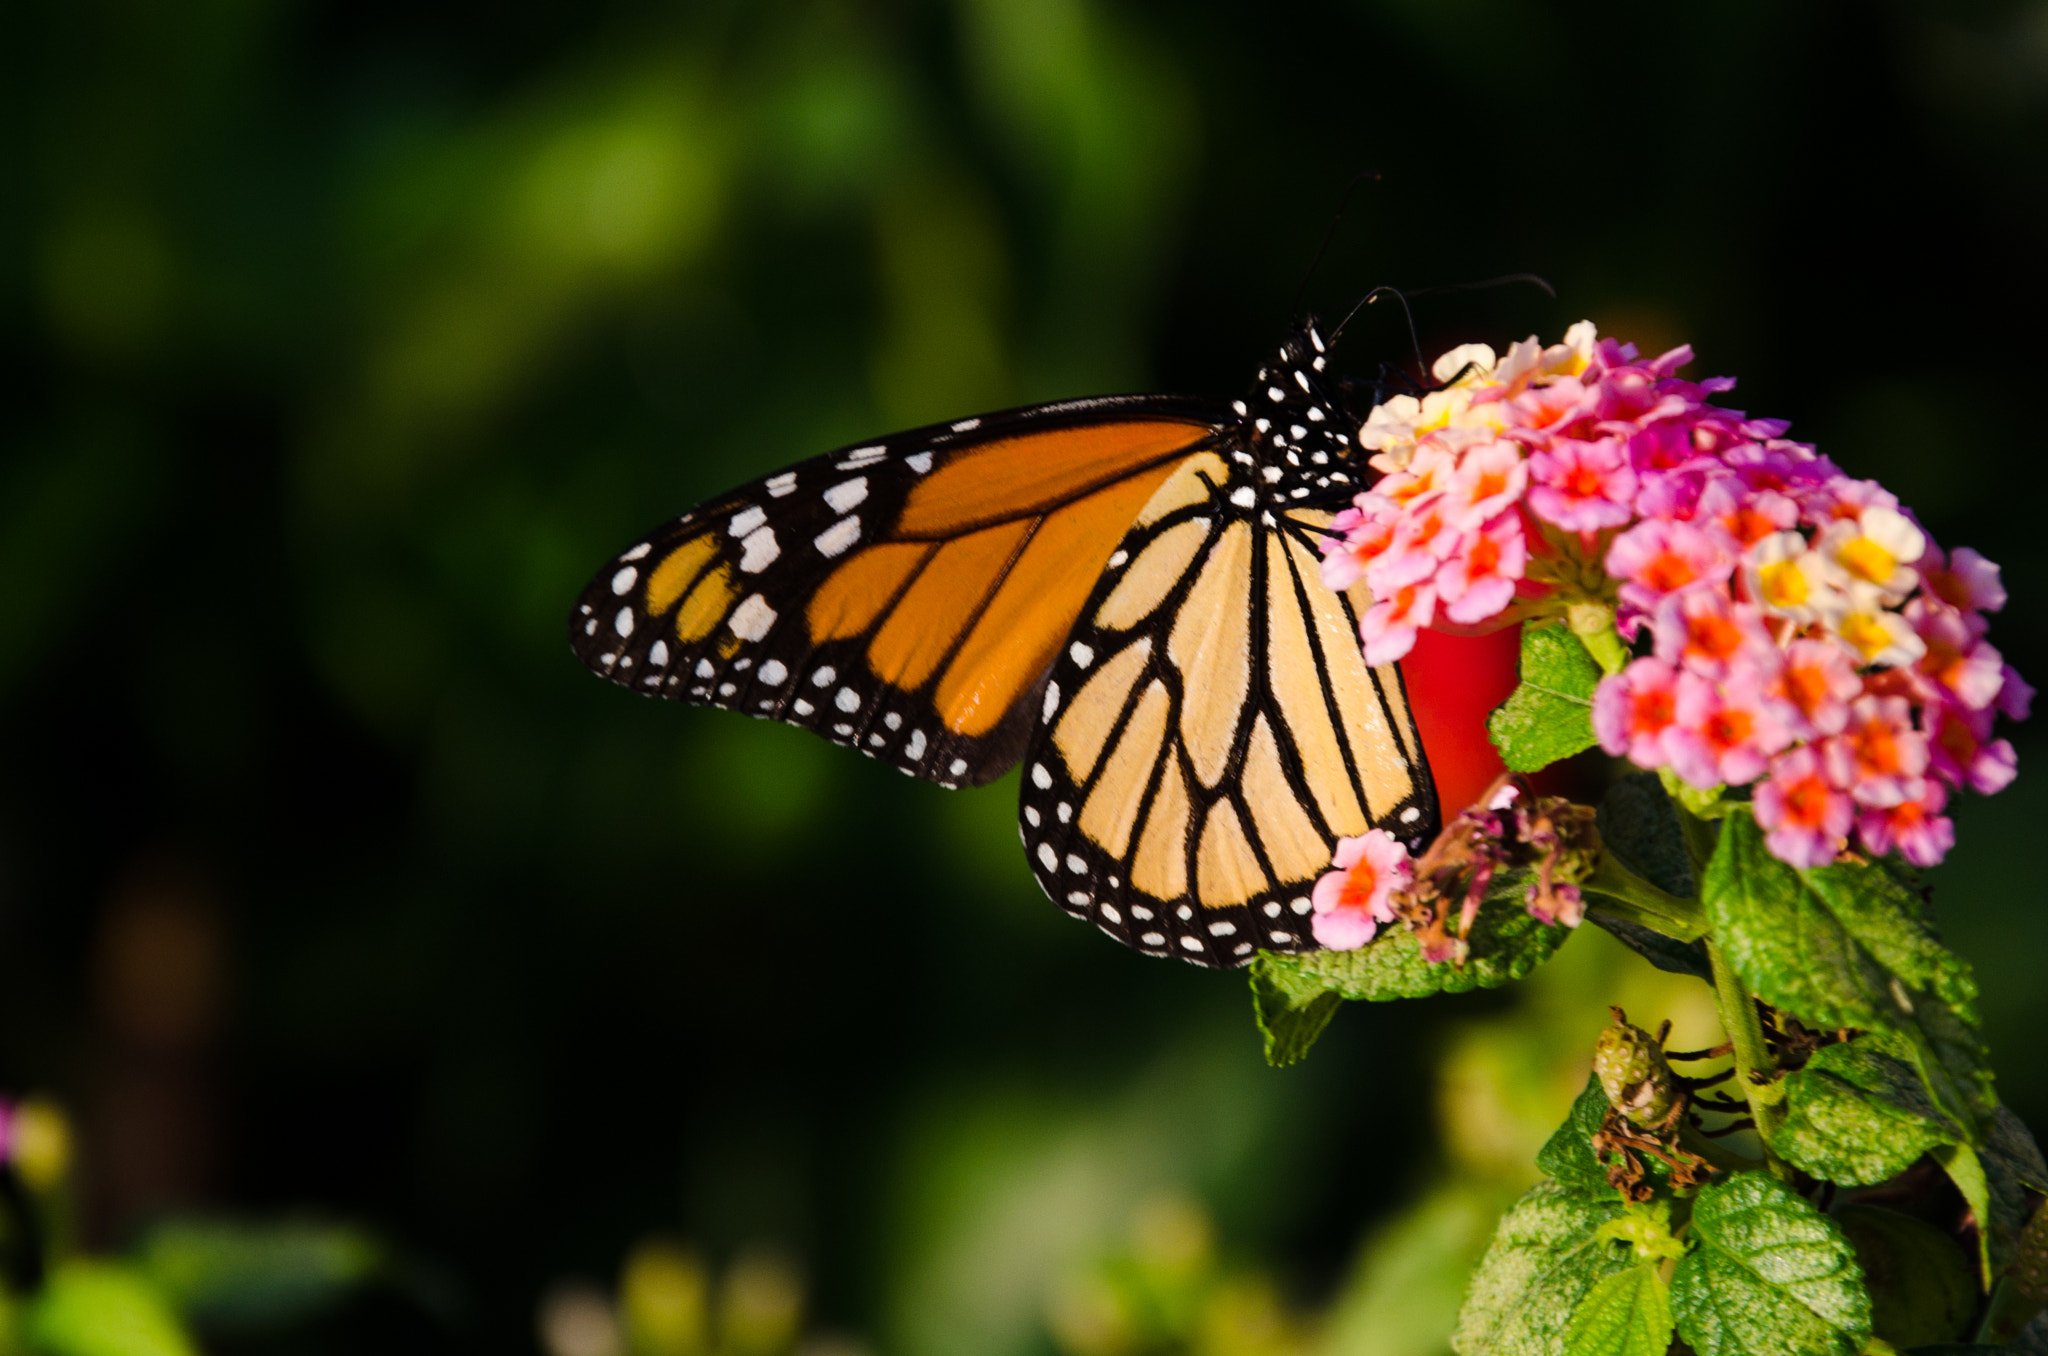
339	343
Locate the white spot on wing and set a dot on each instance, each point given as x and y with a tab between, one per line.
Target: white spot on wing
1040	778
1081	654
847	699
751	619
705	668
1191	943
959	766
623	623
657	653
1244	496
1222	929
839	536
759	550
773	672
642	549
967	425
914	750
1118	558
747	520
847	494
1052	701
1050	858
623	580
862	456
1109	912
1076	863
824	676
893	721
919	462
802	707
1031	816
783	484
1065	811
1300	905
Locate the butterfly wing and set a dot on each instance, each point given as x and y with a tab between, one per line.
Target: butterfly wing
1211	730
905	596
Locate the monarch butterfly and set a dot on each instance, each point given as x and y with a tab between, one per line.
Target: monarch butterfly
1123	593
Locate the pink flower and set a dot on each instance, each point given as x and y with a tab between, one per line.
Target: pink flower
1956	659
1489	478
1916	828
1965	580
1365	536
1353	900
1724	733
1705	630
1655	559
1746	515
1389	625
1818	682
2016	696
1961	754
1633	709
1421	540
1805	816
1479	578
1581	486
1879	758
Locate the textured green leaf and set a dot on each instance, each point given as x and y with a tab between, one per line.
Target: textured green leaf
1849	946
1626	1314
1549	715
1291	1008
1994	1177
1507	943
1771	1276
1546	1256
1567	1156
1857	1116
1639	824
104	1309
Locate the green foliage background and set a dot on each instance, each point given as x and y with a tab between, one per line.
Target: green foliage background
339	342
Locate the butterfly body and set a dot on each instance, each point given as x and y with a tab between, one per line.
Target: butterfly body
1121	592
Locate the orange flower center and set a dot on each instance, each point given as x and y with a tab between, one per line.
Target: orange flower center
1669	572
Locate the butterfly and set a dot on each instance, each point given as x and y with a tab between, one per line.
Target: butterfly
1122	593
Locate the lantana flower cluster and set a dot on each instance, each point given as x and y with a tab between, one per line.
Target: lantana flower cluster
1794	629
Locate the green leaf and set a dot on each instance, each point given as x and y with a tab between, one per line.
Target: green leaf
1626	1314
1549	715
1507	943
1639	824
1291	1008
1848	946
1567	1156
1994	1177
1771	1276
104	1309
1546	1256
1857	1116
248	1276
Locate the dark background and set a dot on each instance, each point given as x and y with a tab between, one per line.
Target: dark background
340	342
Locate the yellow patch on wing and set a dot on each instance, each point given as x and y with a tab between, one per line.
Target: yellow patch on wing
666	582
1111	811
1294	846
1211	646
1296	681
1191	483
707	604
1090	716
1160	868
1149	578
1381	768
1226	872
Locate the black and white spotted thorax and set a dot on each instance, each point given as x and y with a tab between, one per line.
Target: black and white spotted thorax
1297	439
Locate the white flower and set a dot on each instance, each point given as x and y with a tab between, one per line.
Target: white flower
1787	577
1479	357
1877	634
1877	547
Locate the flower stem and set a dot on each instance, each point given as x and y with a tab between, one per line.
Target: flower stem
1627	895
1593	624
1756	1073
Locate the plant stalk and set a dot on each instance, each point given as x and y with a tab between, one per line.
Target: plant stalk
1756	1073
1627	895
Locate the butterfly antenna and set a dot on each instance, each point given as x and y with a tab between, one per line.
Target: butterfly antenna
1329	234
1414	340
1505	280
